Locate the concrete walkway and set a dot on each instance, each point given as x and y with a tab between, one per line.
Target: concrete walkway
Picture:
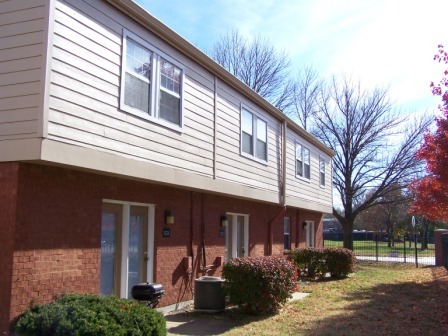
183	324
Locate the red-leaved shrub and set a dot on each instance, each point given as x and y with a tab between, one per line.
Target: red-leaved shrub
259	285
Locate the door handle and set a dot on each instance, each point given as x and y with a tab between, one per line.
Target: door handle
145	258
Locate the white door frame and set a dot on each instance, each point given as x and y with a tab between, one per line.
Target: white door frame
124	262
309	234
232	228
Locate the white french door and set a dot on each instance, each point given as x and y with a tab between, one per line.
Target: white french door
237	236
309	234
127	247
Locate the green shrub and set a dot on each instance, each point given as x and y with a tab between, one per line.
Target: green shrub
339	262
314	262
259	285
310	261
90	315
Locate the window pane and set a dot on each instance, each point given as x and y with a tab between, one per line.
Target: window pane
261	150
246	123
299	162
286	234
322	172
247	143
169	108
299	168
138	59
170	76
136	93
306	156
135	251
299	152
261	130
306	169
306	162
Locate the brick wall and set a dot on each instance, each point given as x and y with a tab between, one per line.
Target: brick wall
8	198
58	230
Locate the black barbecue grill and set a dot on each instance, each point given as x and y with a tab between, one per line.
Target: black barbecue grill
150	293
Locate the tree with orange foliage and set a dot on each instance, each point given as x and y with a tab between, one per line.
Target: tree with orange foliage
432	190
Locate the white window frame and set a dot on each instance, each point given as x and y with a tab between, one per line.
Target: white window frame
255	117
303	148
322	161
155	86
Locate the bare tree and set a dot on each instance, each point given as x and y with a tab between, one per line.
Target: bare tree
306	91
389	214
257	64
374	147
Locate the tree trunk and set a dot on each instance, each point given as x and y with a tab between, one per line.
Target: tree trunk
348	235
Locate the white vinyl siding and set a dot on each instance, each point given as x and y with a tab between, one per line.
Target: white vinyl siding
22	52
85	93
300	190
152	83
232	163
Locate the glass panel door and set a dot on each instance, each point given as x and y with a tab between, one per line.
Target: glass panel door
309	234
110	249
138	247
237	236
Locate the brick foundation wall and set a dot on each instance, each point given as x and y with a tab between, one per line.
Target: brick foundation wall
58	232
8	198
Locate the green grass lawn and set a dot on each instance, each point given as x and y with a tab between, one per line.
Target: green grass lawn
367	248
378	299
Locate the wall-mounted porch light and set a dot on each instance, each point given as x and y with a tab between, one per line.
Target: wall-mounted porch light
224	221
169	217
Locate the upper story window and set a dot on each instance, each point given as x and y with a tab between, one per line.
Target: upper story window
151	83
322	171
254	135
302	161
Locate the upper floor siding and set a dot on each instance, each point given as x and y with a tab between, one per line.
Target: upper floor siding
23	40
220	134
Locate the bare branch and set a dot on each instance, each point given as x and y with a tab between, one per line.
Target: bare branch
257	64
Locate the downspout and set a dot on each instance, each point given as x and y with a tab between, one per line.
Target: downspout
192	232
204	262
283	191
285	128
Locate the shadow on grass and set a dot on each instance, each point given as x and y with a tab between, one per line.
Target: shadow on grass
409	308
201	324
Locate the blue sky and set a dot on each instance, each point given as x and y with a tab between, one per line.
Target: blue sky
378	42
